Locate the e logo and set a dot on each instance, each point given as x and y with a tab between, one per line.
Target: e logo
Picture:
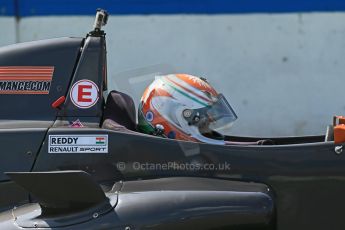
84	94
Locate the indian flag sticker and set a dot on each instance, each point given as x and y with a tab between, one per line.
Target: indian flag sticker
100	140
149	116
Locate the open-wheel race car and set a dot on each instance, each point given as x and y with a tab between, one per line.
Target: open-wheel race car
71	157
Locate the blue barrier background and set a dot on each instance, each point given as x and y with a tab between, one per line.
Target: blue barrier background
23	8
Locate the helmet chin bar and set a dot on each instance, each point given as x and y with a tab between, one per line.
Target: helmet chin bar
214	135
209	138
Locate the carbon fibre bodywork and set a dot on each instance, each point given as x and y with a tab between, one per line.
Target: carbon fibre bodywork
169	203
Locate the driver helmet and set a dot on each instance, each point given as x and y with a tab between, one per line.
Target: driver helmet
184	107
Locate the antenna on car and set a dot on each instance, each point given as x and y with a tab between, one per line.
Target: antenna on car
100	20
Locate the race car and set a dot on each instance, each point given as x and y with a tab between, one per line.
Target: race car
72	158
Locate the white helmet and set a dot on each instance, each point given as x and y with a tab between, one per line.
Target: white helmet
184	107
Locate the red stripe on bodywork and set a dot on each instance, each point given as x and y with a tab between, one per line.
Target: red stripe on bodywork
23	92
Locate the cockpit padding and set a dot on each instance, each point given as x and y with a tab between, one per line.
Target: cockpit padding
119	111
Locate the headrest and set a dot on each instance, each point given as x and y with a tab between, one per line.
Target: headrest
120	108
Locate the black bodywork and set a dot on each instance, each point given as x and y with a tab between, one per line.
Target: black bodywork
293	183
171	203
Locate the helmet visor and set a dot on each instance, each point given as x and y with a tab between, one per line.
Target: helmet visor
220	115
216	117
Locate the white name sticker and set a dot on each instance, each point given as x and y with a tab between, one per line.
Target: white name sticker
78	144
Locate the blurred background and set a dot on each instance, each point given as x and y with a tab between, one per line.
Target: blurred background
281	64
